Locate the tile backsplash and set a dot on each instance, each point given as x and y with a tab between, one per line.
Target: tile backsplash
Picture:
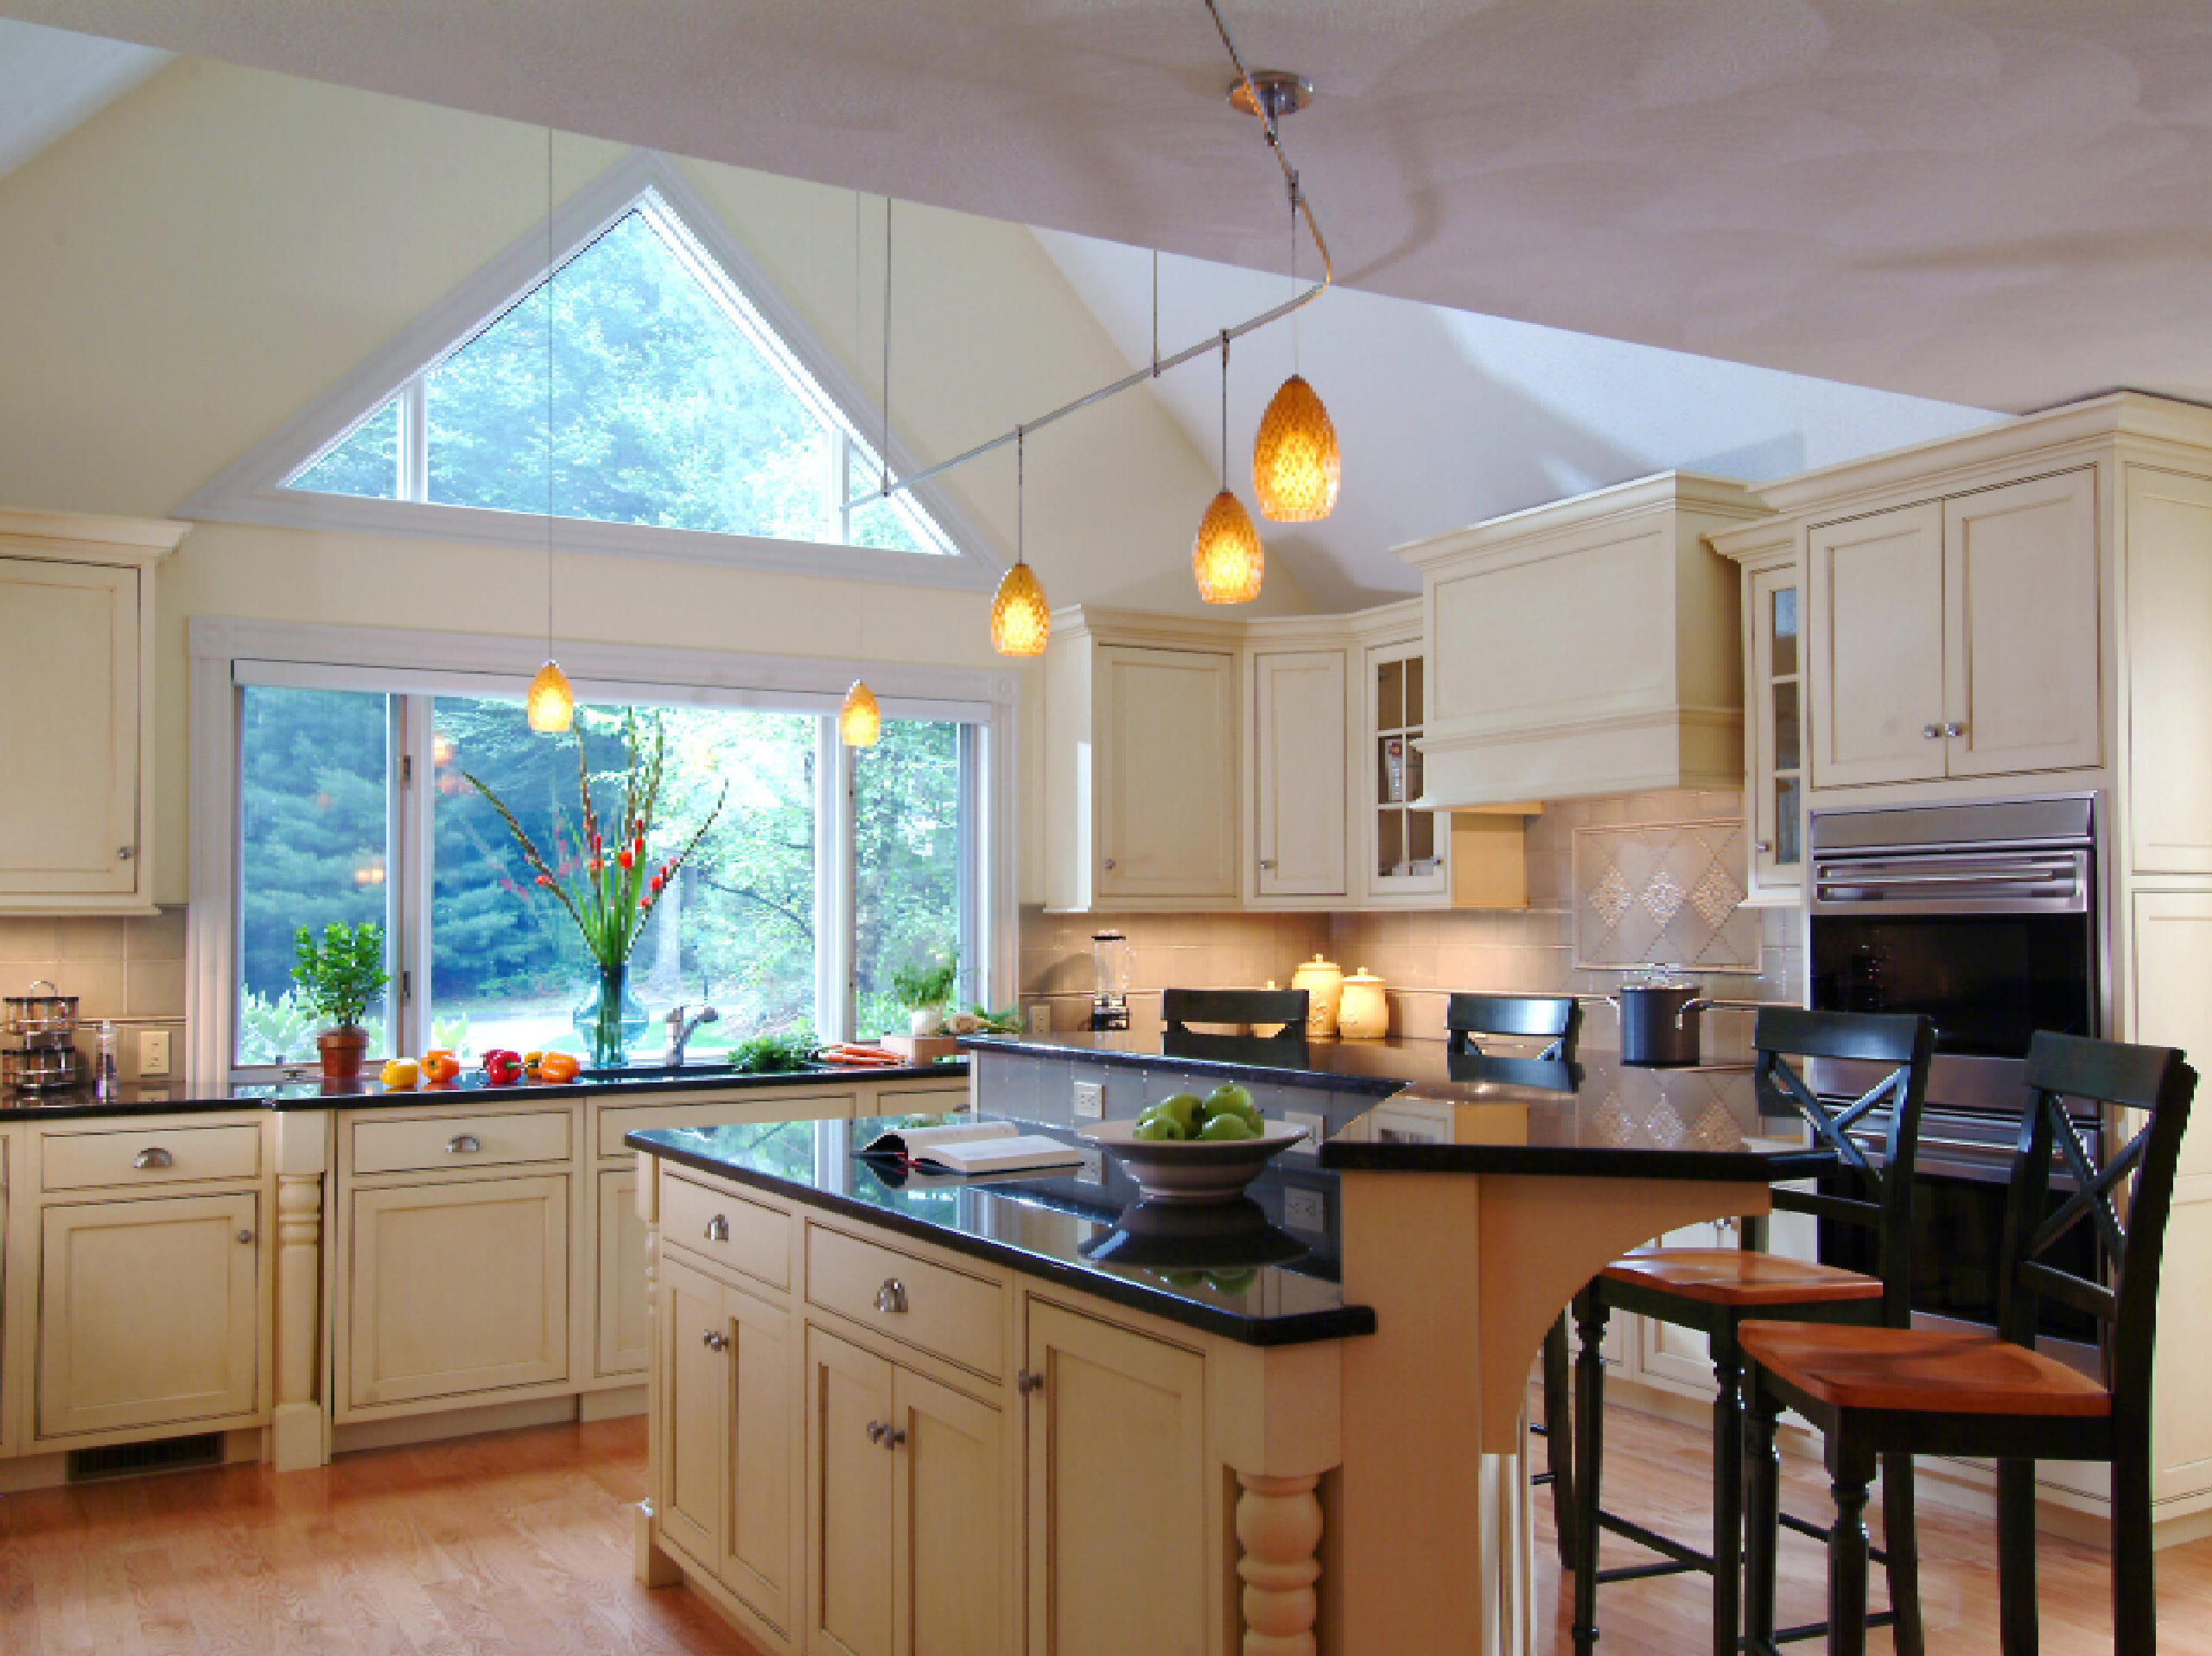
1424	954
127	967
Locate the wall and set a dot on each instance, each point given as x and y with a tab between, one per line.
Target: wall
188	268
1424	955
130	970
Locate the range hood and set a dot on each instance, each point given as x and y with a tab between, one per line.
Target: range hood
1586	647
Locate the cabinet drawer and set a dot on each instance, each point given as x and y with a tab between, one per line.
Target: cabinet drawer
959	1317
809	1105
426	1143
81	1161
727	1229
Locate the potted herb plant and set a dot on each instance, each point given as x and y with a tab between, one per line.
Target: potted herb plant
924	992
338	978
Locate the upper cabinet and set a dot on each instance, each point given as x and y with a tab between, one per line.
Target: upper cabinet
76	664
1300	747
1776	675
1585	647
1958	637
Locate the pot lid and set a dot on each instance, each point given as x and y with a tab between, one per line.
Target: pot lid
1362	976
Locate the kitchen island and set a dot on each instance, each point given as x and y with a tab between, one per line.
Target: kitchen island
896	1410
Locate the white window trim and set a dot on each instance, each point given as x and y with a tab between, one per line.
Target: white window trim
251	489
225	653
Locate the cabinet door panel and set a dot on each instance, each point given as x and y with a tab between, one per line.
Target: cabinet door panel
848	1500
1300	730
148	1312
2169	587
2021	652
764	1423
1877	615
623	1339
947	1588
458	1288
1116	1479
1166	768
69	649
693	1448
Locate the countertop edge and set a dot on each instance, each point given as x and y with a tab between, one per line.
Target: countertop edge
1553	1161
1380	1087
1303	1328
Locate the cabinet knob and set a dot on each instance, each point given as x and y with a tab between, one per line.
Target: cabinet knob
1762	846
124	853
1267	862
718	1228
1931	732
891	1299
876	1430
715	1340
1109	862
893	1437
463	1144
1954	730
245	1239
1029	1381
155	1157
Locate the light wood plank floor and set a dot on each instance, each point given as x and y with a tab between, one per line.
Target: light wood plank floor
518	1545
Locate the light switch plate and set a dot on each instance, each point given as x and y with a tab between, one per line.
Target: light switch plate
153	1052
1091	1100
1311	1143
1304	1210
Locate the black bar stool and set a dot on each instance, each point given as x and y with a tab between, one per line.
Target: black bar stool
1555	1020
1898	1392
1716	1290
1284	1007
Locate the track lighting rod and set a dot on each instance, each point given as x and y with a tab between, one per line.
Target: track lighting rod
1206	346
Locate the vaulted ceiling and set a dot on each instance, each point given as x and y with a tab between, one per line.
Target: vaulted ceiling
2002	203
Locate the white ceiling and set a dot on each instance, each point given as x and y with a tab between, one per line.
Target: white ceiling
2002	203
50	80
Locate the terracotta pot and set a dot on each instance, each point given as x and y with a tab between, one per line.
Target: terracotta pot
341	1050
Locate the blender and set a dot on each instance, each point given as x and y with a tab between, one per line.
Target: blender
1109	995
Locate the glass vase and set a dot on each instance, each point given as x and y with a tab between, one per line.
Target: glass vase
610	1019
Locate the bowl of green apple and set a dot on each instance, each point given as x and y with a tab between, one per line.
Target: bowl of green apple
1189	1149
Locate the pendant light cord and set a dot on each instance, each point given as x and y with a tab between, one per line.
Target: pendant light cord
1155	316
883	453
548	392
1019	484
1224	411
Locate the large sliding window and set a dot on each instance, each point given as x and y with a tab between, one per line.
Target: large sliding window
823	872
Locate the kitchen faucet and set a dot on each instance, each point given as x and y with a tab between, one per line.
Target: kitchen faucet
680	1028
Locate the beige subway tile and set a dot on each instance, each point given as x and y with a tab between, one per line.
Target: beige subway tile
29	937
99	985
16	976
93	936
154	988
155	936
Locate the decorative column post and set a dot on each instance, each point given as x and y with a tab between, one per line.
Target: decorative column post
652	1566
299	1431
1279	1534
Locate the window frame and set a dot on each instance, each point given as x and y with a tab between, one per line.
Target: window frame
415	668
252	490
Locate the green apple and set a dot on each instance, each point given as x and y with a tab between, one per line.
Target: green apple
1232	1282
1155	1128
1230	1096
1182	1107
1228	1125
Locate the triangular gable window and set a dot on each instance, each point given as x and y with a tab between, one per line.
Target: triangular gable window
676	403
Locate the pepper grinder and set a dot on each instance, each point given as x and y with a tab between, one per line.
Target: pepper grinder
103	1077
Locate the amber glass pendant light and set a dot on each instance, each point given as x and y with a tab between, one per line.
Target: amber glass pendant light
1294	459
1021	623
1227	557
551	706
859	722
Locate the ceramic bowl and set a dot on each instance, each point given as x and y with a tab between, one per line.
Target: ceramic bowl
1192	1170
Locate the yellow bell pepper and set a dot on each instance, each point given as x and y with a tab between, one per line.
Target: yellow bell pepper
401	1074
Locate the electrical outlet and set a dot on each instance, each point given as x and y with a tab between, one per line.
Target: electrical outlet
1304	1210
1038	1015
1311	1143
1091	1100
1093	1170
153	1052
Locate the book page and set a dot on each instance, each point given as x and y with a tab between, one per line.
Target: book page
912	1141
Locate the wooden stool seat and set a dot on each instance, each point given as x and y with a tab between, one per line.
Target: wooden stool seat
1924	1371
1729	1276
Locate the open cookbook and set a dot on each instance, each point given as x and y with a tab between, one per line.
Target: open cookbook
973	1147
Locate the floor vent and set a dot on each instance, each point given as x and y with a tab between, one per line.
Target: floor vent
131	1460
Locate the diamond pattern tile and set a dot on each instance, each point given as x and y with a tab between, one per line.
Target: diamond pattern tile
1717	1129
1663	896
1715	897
1665	1127
1610	898
1663	892
1611	1122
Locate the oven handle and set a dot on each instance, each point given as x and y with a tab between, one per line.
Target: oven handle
1876	1141
2052	883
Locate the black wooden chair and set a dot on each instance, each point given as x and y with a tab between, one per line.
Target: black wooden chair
1555	1020
1182	1007
1718	1290
1896	1392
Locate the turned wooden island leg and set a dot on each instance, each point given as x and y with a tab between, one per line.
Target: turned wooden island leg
299	1436
1278	1534
653	1567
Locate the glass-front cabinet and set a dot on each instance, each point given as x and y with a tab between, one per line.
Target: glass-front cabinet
1776	734
1406	849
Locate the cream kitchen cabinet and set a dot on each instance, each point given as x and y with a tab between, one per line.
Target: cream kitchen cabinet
1776	676
77	659
1143	768
903	1485
1958	637
148	1312
1116	1479
1301	748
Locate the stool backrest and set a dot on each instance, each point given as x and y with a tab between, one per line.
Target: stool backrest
1556	1019
2152	1081
1881	1198
1284	1007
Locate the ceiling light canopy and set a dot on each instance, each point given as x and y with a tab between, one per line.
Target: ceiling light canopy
859	722
1294	459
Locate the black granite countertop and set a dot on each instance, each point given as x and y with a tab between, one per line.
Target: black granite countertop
1242	1270
1379	1068
182	1096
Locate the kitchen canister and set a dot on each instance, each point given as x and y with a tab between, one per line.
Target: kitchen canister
1323	982
1364	1009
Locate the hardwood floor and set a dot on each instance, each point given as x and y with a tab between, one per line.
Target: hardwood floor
518	1545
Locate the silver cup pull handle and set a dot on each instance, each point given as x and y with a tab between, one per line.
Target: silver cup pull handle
718	1228
155	1157
463	1144
891	1299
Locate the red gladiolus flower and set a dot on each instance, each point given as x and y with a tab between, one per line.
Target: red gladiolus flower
655	884
546	880
625	859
